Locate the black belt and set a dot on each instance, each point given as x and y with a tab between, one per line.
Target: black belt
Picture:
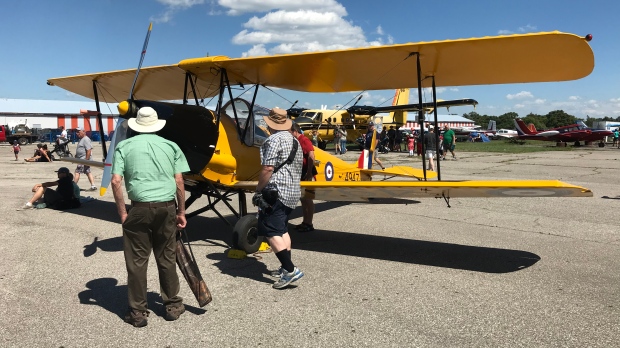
153	204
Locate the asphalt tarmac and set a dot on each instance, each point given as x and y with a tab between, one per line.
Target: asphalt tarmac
500	272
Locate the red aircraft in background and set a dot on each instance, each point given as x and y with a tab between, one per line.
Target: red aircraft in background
577	133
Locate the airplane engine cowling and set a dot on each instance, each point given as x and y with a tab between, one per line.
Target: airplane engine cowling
191	127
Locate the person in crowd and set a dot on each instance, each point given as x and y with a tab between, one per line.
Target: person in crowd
337	136
66	196
449	142
430	146
278	192
152	168
308	173
16	149
410	144
41	155
84	150
343	140
368	143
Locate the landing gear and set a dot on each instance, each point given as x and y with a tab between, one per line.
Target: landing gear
245	234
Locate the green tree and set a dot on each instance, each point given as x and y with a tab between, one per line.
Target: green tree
540	122
559	118
506	120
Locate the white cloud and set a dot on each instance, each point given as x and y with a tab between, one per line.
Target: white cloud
527	28
172	6
540	101
524	29
574	97
519	106
237	7
298	26
520	95
257	50
181	3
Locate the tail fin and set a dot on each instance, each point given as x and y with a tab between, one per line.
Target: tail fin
521	128
532	128
492	127
401	97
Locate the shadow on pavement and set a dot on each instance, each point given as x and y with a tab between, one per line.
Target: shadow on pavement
216	232
105	293
437	254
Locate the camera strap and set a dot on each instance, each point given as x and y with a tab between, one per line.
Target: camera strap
290	159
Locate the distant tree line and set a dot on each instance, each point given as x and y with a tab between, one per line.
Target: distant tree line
553	119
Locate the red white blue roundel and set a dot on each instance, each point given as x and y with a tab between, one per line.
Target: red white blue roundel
329	171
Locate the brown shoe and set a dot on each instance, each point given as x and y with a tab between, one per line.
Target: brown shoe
136	318
174	312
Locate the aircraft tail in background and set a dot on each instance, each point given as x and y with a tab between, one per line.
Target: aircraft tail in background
401	97
492	127
523	129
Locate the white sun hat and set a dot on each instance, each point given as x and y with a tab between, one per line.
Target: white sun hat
146	121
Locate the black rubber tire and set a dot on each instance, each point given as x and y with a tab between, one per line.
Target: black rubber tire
22	141
245	234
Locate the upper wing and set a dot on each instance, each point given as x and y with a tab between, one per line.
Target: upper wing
537	57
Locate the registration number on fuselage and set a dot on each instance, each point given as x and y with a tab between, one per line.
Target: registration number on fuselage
352	176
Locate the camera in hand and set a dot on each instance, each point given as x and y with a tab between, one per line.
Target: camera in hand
266	199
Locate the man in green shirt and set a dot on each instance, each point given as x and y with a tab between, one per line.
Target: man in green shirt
449	142
152	168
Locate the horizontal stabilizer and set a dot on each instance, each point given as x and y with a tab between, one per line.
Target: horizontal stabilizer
401	171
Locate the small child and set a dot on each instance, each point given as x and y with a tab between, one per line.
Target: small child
410	144
16	149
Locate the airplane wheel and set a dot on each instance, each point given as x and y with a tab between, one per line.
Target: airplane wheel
245	234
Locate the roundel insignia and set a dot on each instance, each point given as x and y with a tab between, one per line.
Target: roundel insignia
329	171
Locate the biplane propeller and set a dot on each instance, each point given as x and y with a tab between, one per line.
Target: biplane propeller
222	145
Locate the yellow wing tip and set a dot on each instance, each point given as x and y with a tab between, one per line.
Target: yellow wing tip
102	191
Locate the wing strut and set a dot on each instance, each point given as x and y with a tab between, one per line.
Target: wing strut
421	110
99	121
447	199
437	131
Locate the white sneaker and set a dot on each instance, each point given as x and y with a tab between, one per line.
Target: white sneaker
26	206
93	188
286	278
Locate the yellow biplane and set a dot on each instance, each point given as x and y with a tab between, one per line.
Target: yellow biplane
355	118
222	145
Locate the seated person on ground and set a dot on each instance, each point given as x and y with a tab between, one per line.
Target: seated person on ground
66	196
41	155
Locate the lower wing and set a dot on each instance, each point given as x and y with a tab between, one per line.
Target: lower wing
82	161
363	191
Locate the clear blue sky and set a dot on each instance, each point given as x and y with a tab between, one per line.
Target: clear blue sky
44	39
